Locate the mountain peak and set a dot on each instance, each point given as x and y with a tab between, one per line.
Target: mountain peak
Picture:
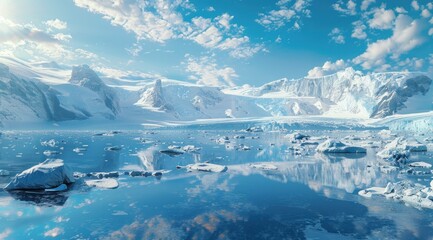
81	72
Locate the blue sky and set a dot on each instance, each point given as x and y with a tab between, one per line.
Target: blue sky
221	42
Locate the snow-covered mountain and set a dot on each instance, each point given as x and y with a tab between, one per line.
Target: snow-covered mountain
48	92
350	92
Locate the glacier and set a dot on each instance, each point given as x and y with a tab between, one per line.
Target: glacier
56	94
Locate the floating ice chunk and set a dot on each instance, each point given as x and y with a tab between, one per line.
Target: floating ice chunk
296	136
400	148
223	140
50	153
335	146
369	192
191	149
101	175
264	166
172	152
49	143
173	147
206	167
420	164
108	183
113	148
79	150
49	174
254	129
60	188
405	191
4	172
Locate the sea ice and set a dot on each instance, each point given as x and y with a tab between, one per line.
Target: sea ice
264	166
420	164
400	148
206	167
49	174
108	183
335	146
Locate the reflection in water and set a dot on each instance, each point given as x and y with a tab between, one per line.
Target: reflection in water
151	159
345	174
40	199
110	161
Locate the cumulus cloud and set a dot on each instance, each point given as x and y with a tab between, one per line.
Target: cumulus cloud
57	24
327	68
205	71
285	14
407	34
359	30
415	5
337	36
382	19
366	3
425	13
161	20
348	8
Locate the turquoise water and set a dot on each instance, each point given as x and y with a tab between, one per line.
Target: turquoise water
310	196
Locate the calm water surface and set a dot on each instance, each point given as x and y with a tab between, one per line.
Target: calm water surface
310	196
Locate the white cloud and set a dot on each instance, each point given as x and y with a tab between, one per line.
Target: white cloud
327	68
366	3
415	5
161	20
430	6
382	19
431	21
285	14
56	23
407	34
13	32
62	37
210	9
337	36
425	13
359	30
400	10
430	32
205	71
347	9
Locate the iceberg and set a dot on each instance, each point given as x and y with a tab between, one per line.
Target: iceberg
48	174
206	167
400	147
335	146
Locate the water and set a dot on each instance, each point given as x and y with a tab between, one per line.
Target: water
311	196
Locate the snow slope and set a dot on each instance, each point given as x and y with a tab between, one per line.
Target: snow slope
49	92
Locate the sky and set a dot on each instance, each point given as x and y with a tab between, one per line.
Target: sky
221	42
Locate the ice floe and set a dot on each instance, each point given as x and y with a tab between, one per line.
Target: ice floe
264	166
296	136
414	194
400	148
49	174
335	146
49	143
420	164
206	167
108	183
